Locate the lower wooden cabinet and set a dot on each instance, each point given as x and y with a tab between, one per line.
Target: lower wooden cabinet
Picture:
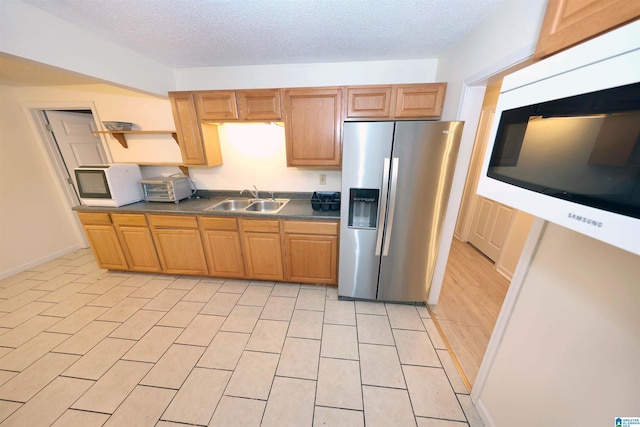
311	251
262	249
178	243
103	240
222	248
137	242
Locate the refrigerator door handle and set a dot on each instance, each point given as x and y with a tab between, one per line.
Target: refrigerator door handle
383	207
392	204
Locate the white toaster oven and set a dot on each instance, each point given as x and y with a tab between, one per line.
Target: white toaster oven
166	189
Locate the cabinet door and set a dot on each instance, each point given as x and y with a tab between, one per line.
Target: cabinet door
313	126
369	102
569	22
419	101
263	255
224	253
138	247
199	142
187	128
259	104
180	251
106	247
312	259
216	105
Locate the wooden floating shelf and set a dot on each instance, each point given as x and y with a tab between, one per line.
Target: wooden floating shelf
120	134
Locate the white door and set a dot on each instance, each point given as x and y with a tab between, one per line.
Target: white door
73	133
491	225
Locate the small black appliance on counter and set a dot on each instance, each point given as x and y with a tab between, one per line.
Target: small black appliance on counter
325	201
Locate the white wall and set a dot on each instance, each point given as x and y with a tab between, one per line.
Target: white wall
34	225
147	112
255	154
31	33
571	351
307	75
508	34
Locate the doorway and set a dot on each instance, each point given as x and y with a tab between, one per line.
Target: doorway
485	250
67	136
70	134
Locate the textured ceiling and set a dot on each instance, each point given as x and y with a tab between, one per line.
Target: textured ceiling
198	33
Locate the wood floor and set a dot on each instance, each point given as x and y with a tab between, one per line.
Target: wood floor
471	298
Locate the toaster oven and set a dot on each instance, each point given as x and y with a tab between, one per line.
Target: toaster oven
166	189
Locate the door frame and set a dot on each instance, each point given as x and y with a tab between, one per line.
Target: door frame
38	122
468	102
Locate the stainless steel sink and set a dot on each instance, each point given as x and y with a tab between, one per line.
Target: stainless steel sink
231	205
265	206
249	205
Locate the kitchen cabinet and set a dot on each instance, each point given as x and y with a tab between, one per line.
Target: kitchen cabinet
103	239
419	101
178	243
301	251
396	102
569	22
199	142
222	247
369	102
313	126
262	249
311	251
260	104
137	242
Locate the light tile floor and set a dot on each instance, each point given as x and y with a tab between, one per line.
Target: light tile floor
82	346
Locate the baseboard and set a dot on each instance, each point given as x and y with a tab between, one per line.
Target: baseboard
33	263
504	272
484	414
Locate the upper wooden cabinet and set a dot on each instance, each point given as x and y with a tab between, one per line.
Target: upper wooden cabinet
313	126
259	104
569	22
369	102
420	101
263	104
199	143
216	105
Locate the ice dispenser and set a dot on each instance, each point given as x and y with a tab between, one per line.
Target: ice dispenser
363	207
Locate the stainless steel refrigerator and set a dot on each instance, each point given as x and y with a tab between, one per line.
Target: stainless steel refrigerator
396	179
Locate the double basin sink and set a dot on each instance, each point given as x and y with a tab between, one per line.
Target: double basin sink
249	205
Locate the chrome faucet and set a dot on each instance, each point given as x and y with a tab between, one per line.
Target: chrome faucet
255	194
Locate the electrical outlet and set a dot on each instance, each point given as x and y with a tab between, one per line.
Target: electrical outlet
323	179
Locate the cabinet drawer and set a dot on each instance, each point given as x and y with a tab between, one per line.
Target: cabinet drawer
224	224
129	219
311	227
173	221
91	218
260	225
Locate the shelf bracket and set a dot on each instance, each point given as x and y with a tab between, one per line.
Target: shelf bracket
184	170
175	136
121	139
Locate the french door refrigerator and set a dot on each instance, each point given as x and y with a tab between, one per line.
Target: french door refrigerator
396	178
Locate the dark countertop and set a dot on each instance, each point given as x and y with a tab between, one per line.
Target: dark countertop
299	207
